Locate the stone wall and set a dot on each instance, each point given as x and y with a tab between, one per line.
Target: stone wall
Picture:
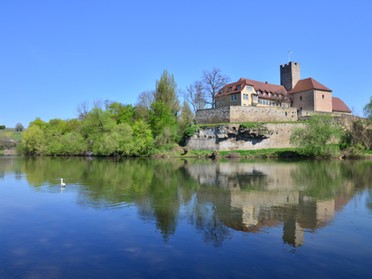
344	119
234	137
262	114
213	116
245	114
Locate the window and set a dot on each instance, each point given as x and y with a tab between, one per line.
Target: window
238	87
245	96
249	88
322	96
233	98
300	98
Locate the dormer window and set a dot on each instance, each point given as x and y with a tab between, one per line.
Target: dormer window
238	87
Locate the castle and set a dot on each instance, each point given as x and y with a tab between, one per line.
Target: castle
302	94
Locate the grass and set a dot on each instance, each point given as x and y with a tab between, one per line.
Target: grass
262	153
10	134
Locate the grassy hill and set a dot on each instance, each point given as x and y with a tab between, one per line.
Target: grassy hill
8	140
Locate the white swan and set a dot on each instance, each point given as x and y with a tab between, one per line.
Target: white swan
62	183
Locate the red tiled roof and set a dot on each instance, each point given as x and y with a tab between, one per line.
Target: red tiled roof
339	106
257	85
308	84
266	87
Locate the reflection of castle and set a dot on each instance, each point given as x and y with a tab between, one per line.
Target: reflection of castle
264	195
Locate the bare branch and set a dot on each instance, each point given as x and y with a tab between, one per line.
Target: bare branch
213	81
194	95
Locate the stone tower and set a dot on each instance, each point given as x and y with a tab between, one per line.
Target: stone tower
289	75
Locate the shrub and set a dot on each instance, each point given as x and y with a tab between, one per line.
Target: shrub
319	138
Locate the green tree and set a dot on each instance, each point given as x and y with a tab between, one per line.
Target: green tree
38	122
142	138
163	124
33	141
19	127
367	110
317	137
96	122
166	92
185	119
121	113
72	143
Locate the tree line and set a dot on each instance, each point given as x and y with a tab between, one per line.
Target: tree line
157	122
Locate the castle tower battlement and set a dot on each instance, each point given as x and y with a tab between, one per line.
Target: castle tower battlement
290	74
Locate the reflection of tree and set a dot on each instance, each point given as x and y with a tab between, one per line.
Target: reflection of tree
369	199
321	179
205	218
219	197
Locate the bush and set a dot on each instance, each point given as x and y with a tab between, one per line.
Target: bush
320	137
190	131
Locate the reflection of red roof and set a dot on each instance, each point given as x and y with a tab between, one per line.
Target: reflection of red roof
339	106
257	85
308	84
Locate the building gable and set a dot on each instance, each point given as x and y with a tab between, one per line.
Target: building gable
307	85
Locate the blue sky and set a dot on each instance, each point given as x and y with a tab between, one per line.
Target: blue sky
55	55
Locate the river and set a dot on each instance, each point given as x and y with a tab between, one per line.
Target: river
142	218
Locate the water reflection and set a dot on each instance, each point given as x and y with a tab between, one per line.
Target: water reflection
216	197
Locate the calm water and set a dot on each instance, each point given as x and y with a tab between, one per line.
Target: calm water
185	219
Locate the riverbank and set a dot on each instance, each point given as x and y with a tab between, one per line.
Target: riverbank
271	153
185	152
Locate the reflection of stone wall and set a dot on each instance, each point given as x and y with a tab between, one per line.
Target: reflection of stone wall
277	177
325	210
266	194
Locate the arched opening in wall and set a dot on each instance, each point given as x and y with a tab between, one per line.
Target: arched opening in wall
286	113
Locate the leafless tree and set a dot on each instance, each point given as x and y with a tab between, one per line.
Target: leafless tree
145	99
82	110
194	95
212	82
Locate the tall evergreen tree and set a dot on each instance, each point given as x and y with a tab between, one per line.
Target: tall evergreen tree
166	92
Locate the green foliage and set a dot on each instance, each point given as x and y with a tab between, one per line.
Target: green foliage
142	138
367	110
316	138
33	140
116	130
185	120
250	125
122	113
38	122
161	117
165	92
73	143
97	122
2	127
190	131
